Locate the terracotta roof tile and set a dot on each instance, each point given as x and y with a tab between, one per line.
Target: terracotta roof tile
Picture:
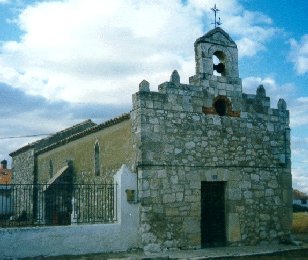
299	195
5	176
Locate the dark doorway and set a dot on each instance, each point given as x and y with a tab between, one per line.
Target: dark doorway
213	227
58	204
58	200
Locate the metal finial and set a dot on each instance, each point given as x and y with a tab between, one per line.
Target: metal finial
216	10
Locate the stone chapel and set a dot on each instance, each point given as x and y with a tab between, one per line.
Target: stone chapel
212	163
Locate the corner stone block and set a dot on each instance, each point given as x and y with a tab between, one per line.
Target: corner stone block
144	86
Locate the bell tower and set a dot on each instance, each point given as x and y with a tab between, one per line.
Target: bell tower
216	43
217	72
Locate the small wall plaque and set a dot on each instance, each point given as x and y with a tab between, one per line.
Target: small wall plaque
130	195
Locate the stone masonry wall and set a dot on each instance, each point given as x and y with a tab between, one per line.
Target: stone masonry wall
174	129
180	146
23	167
257	205
23	173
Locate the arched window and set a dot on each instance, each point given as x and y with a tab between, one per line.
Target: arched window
50	169
219	63
96	160
221	107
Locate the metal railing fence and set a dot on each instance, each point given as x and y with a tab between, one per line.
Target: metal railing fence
57	204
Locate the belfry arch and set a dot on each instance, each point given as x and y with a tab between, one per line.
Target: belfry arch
221	56
219	44
219	63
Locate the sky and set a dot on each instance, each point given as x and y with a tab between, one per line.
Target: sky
65	61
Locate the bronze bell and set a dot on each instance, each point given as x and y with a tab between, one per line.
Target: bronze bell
220	67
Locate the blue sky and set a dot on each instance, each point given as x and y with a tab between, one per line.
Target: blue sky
62	62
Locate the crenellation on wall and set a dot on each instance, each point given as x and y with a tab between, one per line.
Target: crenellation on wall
204	129
196	148
211	132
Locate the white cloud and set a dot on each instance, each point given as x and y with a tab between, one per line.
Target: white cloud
249	47
90	51
251	29
299	54
298	118
299	147
273	89
99	51
298	106
28	123
300	178
4	1
299	112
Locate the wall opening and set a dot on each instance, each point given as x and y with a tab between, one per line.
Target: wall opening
50	169
219	63
221	107
96	160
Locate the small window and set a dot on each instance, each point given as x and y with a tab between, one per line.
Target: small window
221	107
96	160
304	201
50	169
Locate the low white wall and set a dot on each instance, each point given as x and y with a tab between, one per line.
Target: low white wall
299	202
78	239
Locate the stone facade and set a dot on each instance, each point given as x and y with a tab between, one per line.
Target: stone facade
209	131
205	154
23	166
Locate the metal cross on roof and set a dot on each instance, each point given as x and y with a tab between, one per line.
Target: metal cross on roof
216	10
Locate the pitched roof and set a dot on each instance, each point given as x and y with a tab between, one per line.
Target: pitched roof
37	145
86	132
215	36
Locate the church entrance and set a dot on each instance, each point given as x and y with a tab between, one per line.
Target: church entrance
58	198
213	226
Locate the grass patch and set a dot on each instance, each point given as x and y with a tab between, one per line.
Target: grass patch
300	222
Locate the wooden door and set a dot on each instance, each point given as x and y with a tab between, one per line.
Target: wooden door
213	227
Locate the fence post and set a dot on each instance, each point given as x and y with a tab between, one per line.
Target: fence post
127	208
73	219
